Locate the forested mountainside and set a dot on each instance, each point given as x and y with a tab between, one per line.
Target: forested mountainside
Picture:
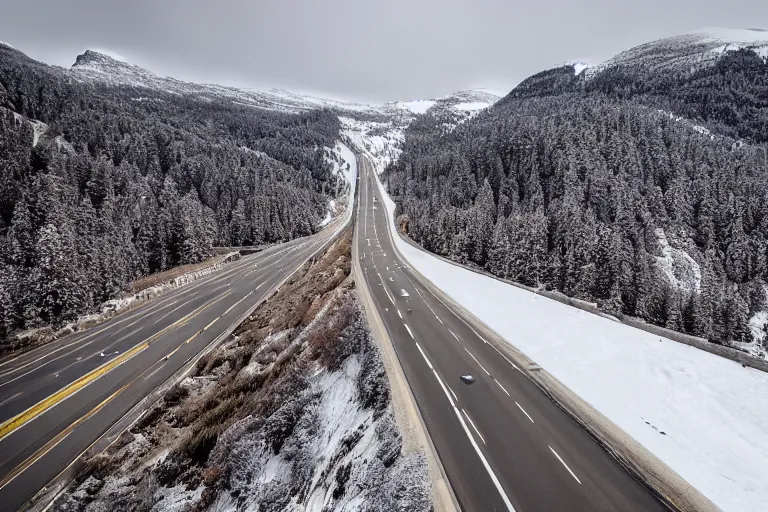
101	183
599	188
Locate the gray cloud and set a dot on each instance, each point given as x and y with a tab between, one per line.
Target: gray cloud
357	49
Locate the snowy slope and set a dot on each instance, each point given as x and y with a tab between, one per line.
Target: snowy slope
687	52
344	163
703	415
98	67
381	139
95	66
375	128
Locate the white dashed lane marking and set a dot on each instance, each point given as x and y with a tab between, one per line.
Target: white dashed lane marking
521	408
473	425
564	464
502	387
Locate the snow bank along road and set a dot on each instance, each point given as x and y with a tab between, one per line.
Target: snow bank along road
57	400
504	445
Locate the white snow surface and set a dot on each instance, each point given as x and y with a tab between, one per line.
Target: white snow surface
470	106
714	413
113	55
578	67
344	163
38	129
416	106
695	127
6	44
328	218
383	149
688	52
758	325
681	270
330	422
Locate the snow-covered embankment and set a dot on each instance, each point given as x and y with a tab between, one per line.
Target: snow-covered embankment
704	416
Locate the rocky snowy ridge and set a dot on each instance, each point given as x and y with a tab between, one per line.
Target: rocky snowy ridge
687	52
377	129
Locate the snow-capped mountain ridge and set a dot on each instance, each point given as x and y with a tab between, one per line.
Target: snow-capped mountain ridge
376	129
95	66
687	52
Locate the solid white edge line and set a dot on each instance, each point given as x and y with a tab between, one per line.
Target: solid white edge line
506	358
564	464
409	331
473	426
521	408
502	387
487	466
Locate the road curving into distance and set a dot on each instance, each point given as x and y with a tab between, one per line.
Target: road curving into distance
504	445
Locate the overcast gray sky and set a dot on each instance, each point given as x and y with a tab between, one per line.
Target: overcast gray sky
357	49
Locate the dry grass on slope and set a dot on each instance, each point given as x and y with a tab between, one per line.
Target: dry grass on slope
258	397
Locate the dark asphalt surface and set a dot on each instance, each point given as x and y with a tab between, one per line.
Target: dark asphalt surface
178	324
504	445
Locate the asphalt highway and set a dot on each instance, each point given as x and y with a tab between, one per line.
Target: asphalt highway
55	401
503	443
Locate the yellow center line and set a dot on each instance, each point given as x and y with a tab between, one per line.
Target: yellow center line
18	421
56	440
22	418
50	445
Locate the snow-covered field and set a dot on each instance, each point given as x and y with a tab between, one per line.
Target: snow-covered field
704	416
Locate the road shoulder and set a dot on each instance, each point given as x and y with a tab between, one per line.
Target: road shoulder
645	467
407	415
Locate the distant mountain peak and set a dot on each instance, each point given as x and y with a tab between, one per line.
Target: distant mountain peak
688	52
100	58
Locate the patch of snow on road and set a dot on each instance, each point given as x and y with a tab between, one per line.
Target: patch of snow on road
681	270
713	412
